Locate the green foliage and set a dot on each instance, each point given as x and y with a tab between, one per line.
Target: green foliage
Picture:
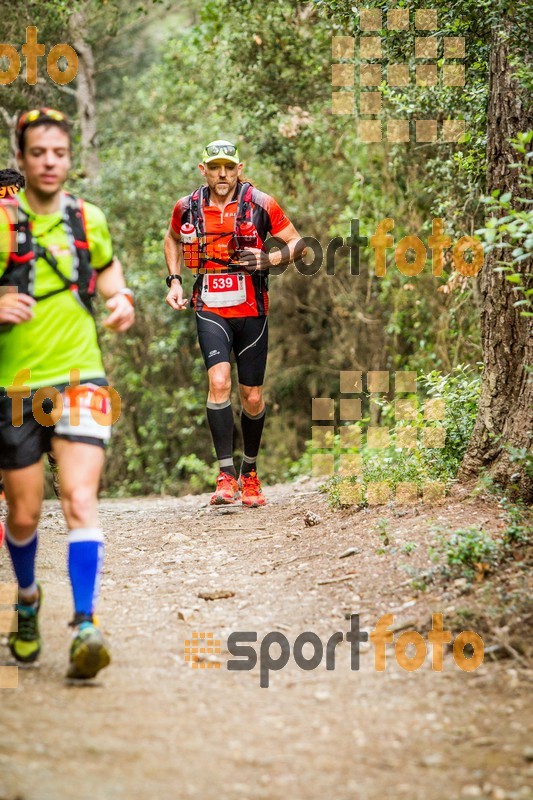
393	465
466	547
472	20
382	527
460	391
419	584
471	550
519	528
162	443
273	73
276	67
523	459
511	227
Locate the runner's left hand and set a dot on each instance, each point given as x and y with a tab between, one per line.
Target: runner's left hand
122	314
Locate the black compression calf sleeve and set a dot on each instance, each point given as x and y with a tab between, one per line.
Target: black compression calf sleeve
252	430
220	419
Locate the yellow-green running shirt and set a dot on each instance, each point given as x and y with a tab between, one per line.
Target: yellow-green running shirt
62	335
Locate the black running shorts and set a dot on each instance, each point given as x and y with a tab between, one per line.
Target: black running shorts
246	336
24	444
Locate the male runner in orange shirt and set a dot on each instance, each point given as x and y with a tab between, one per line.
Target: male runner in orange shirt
231	219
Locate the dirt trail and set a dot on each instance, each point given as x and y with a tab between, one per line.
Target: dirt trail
153	727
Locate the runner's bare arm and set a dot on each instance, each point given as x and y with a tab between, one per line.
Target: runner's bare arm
173	251
109	283
295	249
174	259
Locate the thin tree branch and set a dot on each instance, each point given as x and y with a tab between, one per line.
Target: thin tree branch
59	86
9	120
117	65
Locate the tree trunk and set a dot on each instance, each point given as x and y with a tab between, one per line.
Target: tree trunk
85	93
505	416
11	122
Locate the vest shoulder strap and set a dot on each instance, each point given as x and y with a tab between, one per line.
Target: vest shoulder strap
75	213
196	211
196	199
244	208
22	233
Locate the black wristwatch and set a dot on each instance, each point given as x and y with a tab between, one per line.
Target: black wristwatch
171	278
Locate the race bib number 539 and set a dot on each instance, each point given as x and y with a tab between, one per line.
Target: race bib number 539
223	283
223	290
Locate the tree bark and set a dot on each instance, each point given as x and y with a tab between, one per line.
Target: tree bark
85	93
505	416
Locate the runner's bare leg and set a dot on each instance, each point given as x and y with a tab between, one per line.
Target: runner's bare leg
80	468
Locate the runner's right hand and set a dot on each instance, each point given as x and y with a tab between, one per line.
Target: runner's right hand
15	307
174	297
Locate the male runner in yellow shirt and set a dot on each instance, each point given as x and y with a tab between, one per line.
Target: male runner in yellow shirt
61	252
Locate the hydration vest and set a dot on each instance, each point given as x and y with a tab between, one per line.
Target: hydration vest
244	214
21	267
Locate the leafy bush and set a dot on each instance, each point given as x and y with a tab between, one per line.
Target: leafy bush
469	546
395	465
523	459
467	550
519	523
460	392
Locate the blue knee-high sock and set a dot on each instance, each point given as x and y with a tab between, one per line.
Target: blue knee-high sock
23	558
85	558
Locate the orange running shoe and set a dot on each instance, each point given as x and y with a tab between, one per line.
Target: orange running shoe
252	495
227	490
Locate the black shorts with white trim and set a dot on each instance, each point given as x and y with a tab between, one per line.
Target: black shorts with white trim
246	336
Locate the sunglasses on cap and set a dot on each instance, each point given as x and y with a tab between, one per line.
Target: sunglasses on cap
40	113
215	149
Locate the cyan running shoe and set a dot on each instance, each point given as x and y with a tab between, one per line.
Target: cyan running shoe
25	644
89	652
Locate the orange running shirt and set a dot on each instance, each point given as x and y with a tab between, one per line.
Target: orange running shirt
267	217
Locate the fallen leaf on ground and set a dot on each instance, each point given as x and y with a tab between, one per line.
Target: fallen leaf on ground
222	594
